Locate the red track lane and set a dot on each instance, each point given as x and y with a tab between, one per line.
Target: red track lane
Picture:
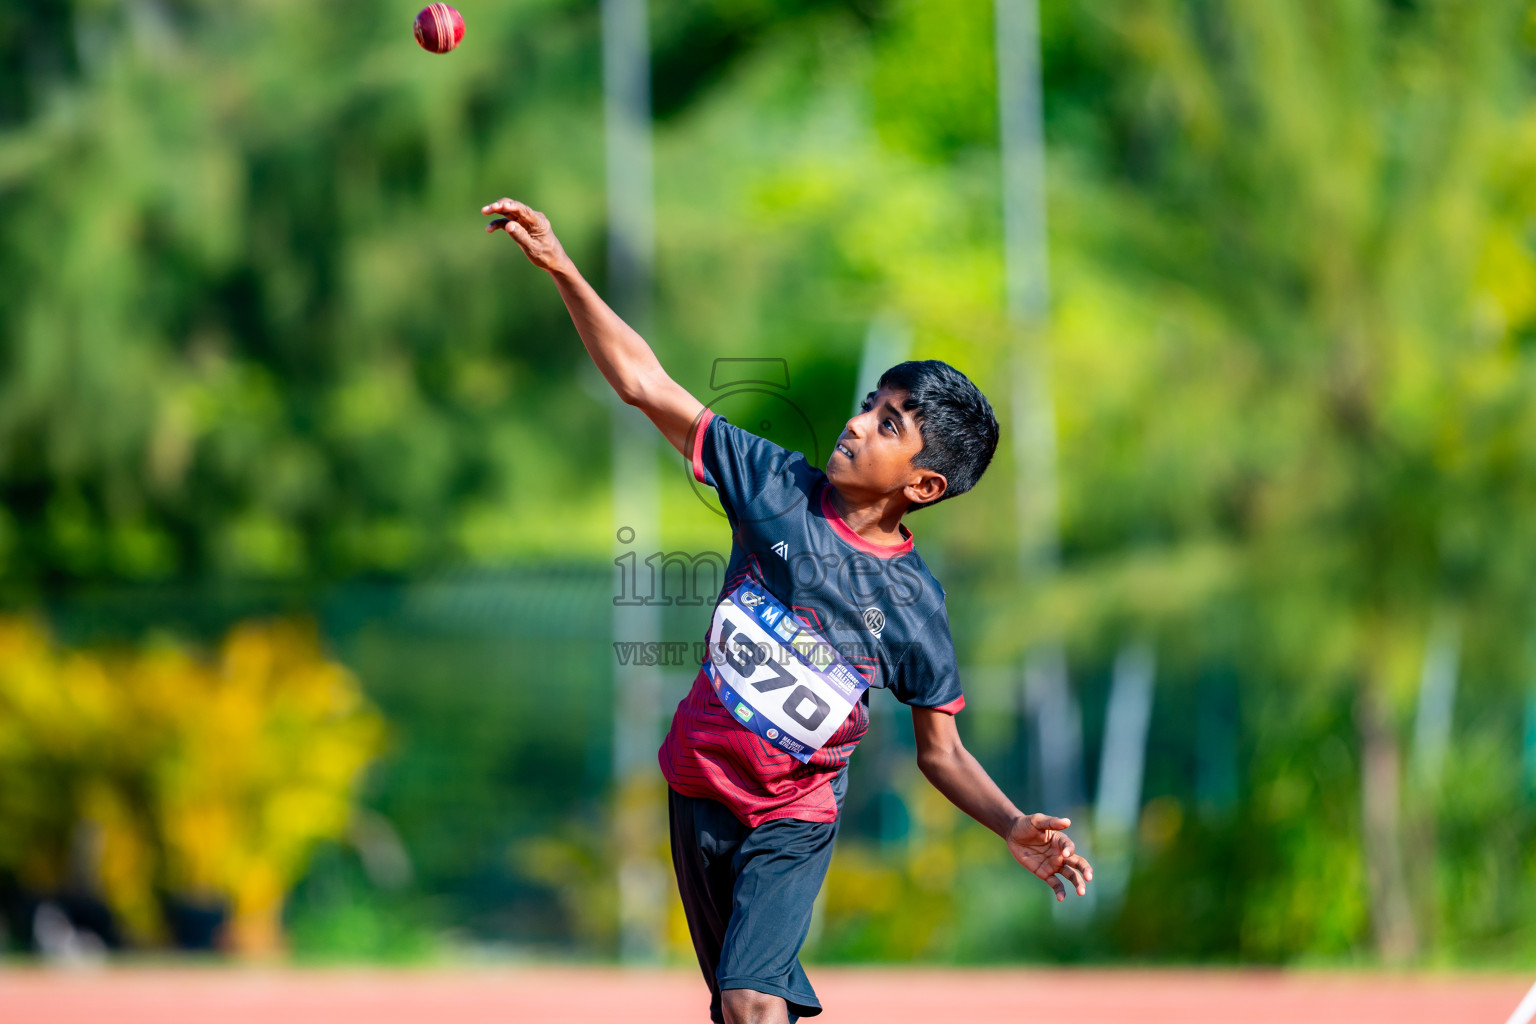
887	996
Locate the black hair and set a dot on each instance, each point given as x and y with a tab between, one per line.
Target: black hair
955	419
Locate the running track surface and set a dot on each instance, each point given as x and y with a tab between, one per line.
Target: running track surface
851	996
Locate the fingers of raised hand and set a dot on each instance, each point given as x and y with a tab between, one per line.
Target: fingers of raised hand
513	210
511	227
1082	865
1071	874
503	206
1056	887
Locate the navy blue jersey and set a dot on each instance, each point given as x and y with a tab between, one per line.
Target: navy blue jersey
877	606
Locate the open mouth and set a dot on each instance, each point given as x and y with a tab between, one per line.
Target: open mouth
844	449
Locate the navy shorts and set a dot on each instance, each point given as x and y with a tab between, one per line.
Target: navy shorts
748	894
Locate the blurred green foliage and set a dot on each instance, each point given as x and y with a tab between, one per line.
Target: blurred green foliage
249	331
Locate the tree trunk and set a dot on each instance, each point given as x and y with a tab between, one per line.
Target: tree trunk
1381	804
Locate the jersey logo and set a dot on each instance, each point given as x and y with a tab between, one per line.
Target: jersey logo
874	618
781	549
751	600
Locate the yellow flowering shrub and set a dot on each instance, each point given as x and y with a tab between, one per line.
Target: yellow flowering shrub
208	777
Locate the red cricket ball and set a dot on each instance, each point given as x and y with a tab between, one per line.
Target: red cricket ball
439	28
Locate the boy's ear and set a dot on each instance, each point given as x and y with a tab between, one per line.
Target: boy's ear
928	487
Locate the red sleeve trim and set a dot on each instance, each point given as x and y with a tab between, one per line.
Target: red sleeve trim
698	444
953	707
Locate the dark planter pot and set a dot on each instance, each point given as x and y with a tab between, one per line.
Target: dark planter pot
84	911
196	924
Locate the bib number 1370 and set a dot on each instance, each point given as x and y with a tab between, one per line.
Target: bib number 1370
802	705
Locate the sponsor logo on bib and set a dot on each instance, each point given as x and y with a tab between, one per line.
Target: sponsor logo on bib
846	676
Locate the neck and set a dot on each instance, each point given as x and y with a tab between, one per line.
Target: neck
878	522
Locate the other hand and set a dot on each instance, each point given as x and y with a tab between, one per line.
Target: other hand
1039	844
529	229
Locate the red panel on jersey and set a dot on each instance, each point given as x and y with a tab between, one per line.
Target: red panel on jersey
708	754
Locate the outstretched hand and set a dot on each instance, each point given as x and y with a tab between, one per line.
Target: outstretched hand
529	229
1038	842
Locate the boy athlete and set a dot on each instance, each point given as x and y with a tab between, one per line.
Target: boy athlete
824	598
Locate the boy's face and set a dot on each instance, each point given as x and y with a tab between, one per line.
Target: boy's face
873	456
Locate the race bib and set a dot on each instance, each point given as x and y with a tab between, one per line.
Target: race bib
777	677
